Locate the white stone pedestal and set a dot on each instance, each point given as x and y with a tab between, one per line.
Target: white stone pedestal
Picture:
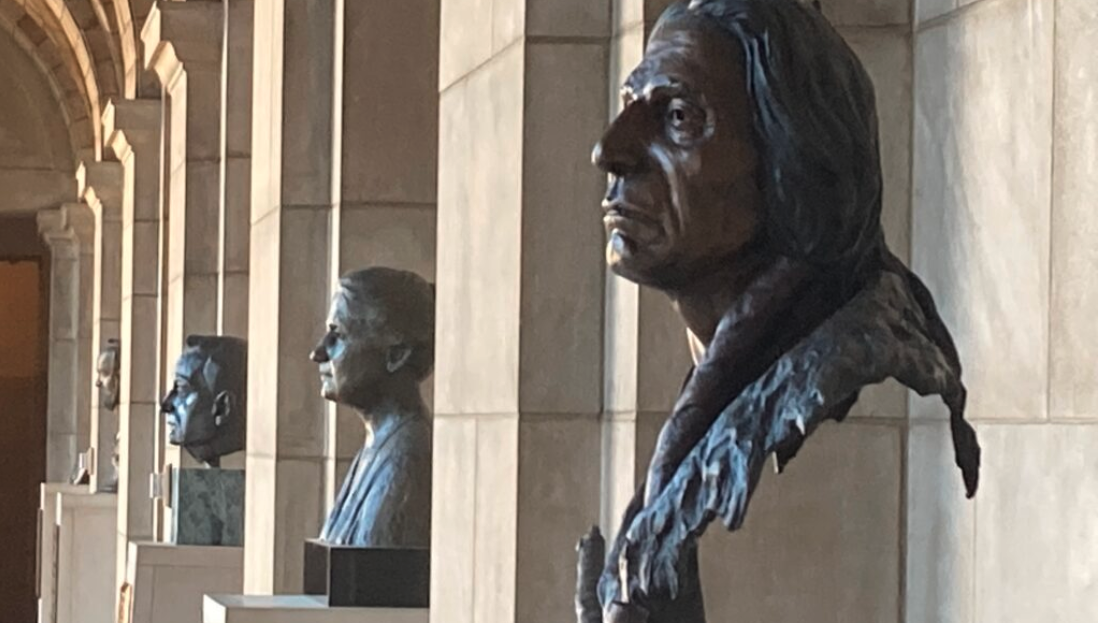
299	609
86	531
47	547
167	582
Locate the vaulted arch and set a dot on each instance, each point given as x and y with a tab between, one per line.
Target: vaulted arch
83	47
71	104
36	150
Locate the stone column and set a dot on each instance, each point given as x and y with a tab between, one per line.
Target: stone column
100	185
385	173
182	45
1005	234
68	231
520	283
131	128
289	257
235	168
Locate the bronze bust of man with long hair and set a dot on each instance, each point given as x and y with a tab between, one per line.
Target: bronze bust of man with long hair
744	182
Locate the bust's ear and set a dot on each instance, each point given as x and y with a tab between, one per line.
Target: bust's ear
223	408
396	356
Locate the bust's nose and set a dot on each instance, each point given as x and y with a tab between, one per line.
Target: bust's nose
600	160
166	402
621	149
318	354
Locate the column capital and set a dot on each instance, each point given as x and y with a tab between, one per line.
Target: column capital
66	227
130	121
99	184
182	33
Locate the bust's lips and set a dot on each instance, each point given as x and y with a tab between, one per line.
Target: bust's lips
173	429
623	209
628	220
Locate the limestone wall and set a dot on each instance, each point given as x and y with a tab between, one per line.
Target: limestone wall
1004	231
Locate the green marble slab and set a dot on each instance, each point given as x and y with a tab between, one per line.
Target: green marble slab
208	506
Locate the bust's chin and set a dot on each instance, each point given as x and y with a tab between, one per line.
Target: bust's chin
620	261
626	259
635	271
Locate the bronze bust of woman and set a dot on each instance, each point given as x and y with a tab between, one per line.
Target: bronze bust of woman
744	182
377	350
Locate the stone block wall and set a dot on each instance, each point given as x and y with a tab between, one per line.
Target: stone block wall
1004	231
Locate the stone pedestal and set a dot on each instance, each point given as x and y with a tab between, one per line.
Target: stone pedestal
46	564
298	609
85	557
167	582
373	577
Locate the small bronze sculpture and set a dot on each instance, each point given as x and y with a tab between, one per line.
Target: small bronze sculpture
107	382
377	350
206	408
107	375
744	182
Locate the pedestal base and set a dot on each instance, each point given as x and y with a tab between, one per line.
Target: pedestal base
299	609
46	562
86	531
167	582
369	577
208	506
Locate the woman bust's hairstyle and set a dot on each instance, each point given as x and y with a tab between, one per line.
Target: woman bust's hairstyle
814	125
399	305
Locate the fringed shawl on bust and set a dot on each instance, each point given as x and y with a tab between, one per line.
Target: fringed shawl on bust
749	403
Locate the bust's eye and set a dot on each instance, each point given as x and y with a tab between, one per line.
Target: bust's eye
684	120
677	115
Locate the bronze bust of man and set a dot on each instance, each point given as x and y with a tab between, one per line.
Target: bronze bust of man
107	382
107	375
744	182
377	350
206	407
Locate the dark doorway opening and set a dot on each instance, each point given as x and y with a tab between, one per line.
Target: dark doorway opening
24	336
